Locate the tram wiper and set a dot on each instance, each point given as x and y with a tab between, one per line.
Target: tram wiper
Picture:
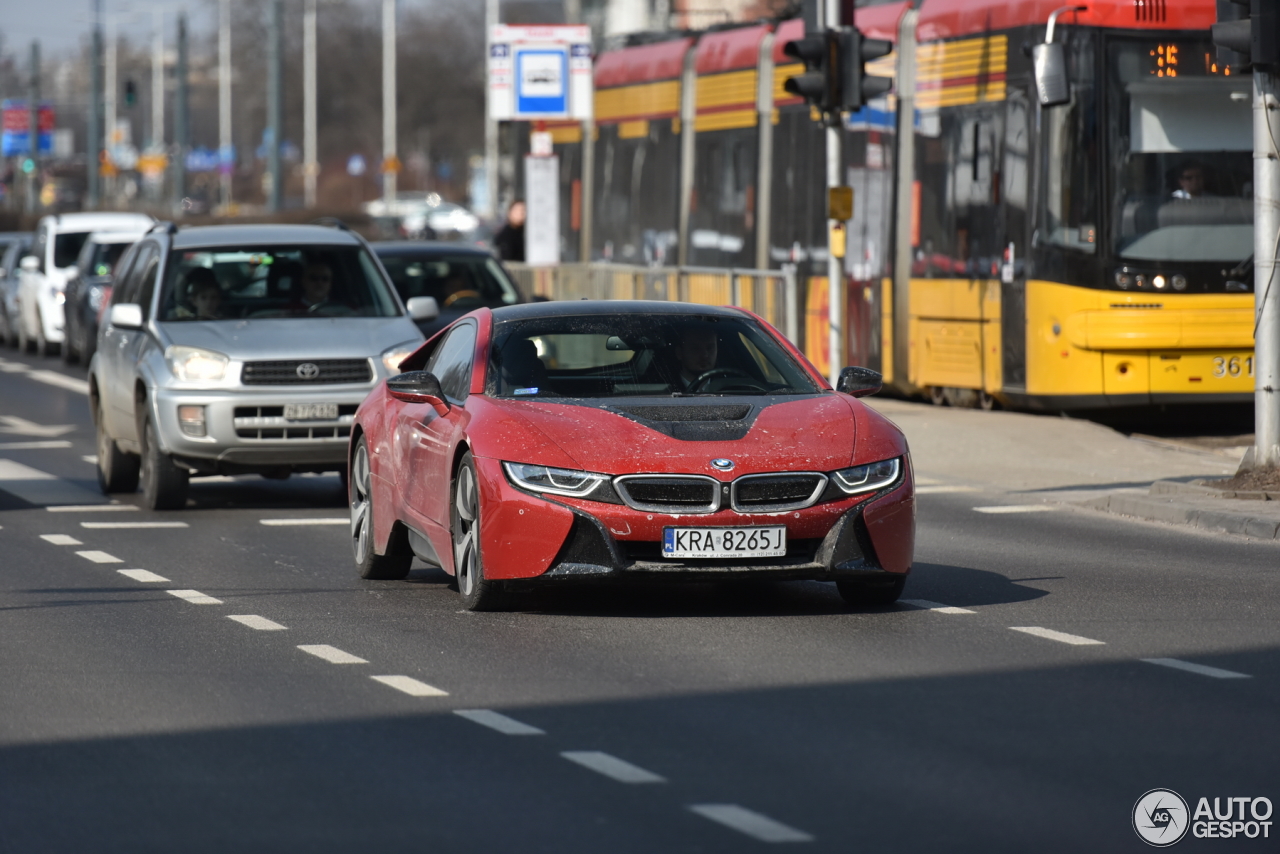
1242	269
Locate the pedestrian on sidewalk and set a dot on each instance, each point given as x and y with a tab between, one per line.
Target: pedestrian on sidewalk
509	241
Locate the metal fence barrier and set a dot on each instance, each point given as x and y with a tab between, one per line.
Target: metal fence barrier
772	294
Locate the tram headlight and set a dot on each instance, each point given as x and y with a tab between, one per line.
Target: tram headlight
1179	282
1140	280
1124	280
1158	282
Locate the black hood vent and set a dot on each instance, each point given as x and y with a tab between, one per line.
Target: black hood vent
700	412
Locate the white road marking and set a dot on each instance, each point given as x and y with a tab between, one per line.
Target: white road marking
60	380
331	654
944	489
1201	669
611	766
1017	508
751	823
195	597
61	540
37	487
277	523
143	575
410	686
12	367
926	481
498	721
34	446
926	605
253	621
99	557
1060	637
97	525
23	427
91	459
91	508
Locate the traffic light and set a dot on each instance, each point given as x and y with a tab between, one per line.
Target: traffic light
1248	33
819	53
856	50
130	93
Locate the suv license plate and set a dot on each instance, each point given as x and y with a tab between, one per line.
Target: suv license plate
310	411
725	542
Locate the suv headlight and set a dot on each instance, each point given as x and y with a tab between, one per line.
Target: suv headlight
193	364
392	358
575	484
868	478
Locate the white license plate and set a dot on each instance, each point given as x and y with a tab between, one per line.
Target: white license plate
311	411
725	542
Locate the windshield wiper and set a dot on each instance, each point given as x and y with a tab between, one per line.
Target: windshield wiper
1241	269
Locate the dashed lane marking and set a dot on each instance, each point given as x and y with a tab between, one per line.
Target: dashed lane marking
60	381
143	575
61	540
38	487
99	557
410	686
1060	637
944	489
109	525
195	597
253	621
926	605
331	654
611	766
91	459
498	721
34	446
751	823
1017	508
91	508
280	523
926	481
1201	669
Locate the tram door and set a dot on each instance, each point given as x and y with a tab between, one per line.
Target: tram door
1016	181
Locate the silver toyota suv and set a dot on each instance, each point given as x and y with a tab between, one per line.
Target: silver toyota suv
240	349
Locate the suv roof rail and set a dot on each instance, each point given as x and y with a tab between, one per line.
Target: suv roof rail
331	222
166	227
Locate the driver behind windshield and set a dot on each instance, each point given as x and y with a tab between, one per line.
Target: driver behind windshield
696	352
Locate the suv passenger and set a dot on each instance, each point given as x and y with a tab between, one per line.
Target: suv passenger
240	349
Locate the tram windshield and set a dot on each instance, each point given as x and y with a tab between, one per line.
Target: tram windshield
1182	140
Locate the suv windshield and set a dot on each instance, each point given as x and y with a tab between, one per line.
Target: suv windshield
460	282
628	355
1182	133
67	246
275	282
104	258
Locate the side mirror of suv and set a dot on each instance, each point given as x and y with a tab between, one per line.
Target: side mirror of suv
30	264
423	308
126	316
859	382
418	387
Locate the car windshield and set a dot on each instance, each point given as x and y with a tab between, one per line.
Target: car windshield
105	256
631	355
67	246
457	281
274	282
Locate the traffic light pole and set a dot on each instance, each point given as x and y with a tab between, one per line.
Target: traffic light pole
835	272
1266	288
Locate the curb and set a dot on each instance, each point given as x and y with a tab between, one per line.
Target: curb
1204	514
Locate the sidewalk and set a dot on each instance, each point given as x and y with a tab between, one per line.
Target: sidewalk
1067	461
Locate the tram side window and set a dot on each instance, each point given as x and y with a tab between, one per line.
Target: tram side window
1072	152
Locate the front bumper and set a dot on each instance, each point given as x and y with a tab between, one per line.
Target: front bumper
245	430
526	536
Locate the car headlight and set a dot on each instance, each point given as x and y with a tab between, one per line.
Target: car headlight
392	358
575	484
192	364
59	296
869	477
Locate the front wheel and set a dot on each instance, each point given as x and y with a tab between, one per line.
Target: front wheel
478	593
360	493
865	594
164	483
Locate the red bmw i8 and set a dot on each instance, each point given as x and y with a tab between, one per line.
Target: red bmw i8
600	440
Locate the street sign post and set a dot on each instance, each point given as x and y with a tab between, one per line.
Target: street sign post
542	203
540	72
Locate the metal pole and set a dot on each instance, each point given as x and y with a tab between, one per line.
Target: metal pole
181	118
109	90
226	163
491	19
93	140
310	166
33	129
274	96
835	273
157	81
389	161
1266	235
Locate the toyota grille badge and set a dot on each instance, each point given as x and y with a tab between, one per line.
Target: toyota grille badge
308	371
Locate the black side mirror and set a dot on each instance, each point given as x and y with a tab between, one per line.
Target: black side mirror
418	387
859	382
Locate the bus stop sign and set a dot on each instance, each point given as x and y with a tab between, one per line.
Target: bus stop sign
540	72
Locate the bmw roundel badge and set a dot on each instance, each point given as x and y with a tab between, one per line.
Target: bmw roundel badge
722	464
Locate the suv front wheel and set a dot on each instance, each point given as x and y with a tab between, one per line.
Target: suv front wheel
164	484
117	471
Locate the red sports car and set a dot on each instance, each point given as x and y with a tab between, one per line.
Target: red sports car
596	440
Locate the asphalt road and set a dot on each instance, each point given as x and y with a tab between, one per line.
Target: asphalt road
281	703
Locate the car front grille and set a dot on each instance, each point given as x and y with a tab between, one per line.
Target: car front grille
669	493
321	372
257	423
776	493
